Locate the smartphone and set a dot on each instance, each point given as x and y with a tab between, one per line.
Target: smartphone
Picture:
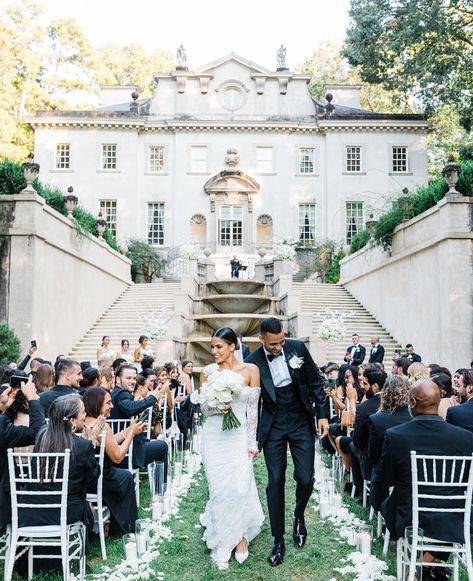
33	343
397	351
17	380
332	383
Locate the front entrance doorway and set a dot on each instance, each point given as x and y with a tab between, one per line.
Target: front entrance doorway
230	228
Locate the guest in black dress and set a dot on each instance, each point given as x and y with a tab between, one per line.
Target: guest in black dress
118	483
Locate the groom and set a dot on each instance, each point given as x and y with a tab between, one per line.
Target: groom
292	393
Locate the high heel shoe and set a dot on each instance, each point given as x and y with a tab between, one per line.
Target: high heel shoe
241	557
222	565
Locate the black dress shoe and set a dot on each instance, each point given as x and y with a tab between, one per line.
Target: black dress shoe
276	557
299	532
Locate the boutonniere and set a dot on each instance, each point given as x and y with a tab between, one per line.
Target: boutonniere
295	362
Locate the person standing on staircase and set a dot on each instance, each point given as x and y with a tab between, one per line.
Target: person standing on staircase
356	353
377	351
235	266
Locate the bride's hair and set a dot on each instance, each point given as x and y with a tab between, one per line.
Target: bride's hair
228	335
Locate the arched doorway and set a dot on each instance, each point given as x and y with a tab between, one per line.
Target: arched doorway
199	229
264	231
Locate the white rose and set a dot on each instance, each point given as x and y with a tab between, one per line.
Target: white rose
296	362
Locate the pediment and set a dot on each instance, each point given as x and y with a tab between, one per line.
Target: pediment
231	182
232	57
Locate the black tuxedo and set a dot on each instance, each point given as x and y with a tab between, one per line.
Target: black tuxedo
461	415
288	417
426	434
358	353
361	466
376	354
414	358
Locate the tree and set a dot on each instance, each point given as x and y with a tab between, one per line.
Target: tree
419	47
9	345
145	260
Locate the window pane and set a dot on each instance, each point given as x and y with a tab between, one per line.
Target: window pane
108	209
156	159
354	219
306	160
109	156
264	159
156	223
231	225
198	159
307	222
399	159
353	158
63	156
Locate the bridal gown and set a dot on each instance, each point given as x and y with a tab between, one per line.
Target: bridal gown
234	509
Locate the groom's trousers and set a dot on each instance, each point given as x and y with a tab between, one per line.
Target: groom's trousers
291	427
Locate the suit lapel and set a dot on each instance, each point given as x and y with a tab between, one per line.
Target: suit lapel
266	377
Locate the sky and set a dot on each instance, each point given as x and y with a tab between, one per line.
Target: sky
209	29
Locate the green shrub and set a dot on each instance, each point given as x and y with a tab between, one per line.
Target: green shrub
360	240
333	274
9	345
146	261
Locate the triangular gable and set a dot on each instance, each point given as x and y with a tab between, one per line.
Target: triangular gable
233	57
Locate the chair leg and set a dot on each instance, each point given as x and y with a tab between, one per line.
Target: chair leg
102	533
455	566
137	487
379	528
30	563
150	479
399	560
387	537
10	561
469	562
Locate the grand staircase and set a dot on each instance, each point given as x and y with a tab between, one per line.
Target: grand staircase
316	298
123	319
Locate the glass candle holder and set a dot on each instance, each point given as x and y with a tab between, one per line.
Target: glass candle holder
129	547
157	507
365	538
324	506
412	557
157	471
142	526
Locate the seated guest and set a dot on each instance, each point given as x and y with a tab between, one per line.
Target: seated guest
118	483
69	375
107	379
400	366
44	377
173	410
434	368
446	392
90	378
147	362
124	407
427	433
392	412
459	385
105	362
142	387
186	377
119	362
409	354
66	416
12	436
462	415
416	372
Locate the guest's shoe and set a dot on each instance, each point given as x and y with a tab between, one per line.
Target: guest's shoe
222	565
299	532
241	557
276	557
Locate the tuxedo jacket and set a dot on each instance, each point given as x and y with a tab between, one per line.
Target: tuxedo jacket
414	358
461	415
426	434
358	353
306	379
376	356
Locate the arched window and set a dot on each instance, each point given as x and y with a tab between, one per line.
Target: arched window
199	229
264	231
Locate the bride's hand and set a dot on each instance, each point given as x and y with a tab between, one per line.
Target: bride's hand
252	454
226	409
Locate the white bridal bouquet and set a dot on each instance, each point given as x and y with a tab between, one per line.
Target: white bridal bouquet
285	252
218	391
332	328
154	326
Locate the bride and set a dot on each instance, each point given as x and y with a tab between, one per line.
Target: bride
233	516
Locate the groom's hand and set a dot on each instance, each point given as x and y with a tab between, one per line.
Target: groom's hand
322	428
252	454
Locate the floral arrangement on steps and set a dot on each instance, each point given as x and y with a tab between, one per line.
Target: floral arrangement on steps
189	251
155	325
285	252
332	328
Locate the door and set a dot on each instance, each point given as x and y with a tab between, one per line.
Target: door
230	227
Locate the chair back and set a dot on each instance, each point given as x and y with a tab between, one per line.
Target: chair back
149	421
442	484
101	459
25	470
118	426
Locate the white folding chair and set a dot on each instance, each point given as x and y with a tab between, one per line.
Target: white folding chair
438	473
24	469
119	426
96	500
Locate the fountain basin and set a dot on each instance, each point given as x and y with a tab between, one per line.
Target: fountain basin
236	286
238	303
244	324
199	349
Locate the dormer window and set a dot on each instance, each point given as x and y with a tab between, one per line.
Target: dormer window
232	95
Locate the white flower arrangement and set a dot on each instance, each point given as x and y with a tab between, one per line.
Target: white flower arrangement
189	251
332	327
218	392
285	252
296	362
154	325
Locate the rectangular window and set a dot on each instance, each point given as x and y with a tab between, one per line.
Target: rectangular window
306	160
307	223
264	159
231	226
156	159
198	159
108	210
353	159
109	156
63	156
354	219
399	159
156	223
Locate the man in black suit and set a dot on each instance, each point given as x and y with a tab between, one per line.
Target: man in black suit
377	351
462	415
125	407
69	375
427	433
409	354
292	394
356	353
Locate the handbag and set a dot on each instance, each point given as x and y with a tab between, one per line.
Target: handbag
346	420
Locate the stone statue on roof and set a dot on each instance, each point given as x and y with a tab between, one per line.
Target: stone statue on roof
181	56
281	57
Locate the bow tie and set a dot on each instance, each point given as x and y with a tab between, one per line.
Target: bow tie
270	356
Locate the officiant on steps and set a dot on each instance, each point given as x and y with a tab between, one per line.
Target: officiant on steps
292	394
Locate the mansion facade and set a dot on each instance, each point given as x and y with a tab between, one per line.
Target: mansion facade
233	157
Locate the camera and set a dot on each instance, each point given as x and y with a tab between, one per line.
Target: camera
33	343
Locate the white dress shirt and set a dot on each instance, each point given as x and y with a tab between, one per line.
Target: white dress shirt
279	369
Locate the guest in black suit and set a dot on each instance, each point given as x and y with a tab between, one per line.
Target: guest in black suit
427	433
462	415
292	393
392	412
377	351
124	407
12	436
409	354
356	353
68	377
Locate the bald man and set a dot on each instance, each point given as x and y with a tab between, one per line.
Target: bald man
427	433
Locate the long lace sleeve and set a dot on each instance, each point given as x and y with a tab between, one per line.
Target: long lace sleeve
252	418
207	410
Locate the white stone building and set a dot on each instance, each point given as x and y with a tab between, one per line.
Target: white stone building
297	168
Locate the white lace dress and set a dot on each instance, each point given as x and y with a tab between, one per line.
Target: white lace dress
234	509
